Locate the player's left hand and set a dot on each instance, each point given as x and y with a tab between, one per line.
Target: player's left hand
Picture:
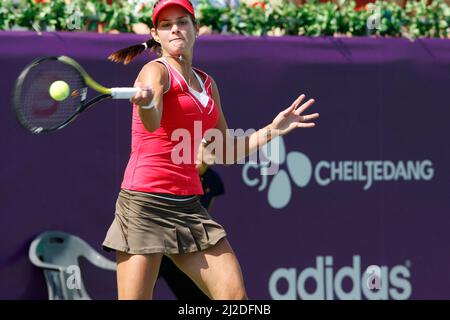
293	117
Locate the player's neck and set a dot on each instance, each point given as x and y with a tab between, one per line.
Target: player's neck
183	65
184	62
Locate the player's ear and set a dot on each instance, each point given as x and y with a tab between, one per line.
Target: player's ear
154	34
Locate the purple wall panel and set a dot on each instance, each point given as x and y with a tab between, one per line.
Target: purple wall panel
312	229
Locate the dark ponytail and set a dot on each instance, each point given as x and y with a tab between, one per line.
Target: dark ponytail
128	54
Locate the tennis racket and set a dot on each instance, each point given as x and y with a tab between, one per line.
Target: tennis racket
38	112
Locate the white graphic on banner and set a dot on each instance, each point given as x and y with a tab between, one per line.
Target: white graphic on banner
300	172
375	283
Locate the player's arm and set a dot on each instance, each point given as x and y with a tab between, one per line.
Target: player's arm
201	166
152	76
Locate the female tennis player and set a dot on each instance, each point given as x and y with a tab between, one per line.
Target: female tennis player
158	211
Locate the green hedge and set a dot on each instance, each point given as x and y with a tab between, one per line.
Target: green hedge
417	19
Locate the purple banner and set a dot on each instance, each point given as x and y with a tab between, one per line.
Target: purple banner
358	209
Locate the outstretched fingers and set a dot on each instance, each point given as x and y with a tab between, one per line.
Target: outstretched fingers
294	105
305	124
309	117
304	106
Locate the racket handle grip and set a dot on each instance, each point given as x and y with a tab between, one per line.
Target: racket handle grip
123	93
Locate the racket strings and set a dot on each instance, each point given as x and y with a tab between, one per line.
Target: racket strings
37	109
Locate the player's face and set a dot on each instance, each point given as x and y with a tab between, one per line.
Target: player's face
175	30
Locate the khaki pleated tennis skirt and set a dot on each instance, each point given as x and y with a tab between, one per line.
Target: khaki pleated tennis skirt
151	223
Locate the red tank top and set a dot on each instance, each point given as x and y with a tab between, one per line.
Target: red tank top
151	167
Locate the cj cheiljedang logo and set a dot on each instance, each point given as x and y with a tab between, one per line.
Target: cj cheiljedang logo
326	282
282	173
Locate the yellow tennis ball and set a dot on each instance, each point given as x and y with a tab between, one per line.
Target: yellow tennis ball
59	90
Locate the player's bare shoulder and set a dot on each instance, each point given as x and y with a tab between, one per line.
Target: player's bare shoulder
154	72
154	67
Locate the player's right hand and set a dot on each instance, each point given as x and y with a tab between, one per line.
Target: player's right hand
143	97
